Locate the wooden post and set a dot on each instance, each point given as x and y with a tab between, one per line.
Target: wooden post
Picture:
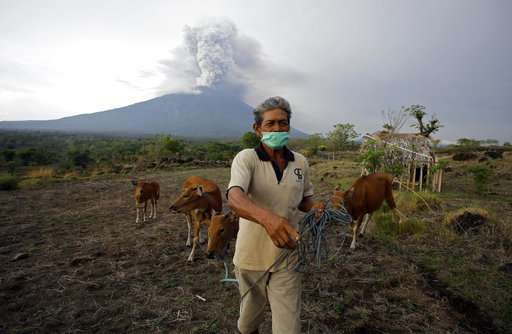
440	181
414	175
421	177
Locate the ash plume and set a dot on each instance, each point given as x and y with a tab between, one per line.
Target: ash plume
214	55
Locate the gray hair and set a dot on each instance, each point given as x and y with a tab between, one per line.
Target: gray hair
274	102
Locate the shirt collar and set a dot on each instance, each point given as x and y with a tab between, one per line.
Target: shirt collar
262	154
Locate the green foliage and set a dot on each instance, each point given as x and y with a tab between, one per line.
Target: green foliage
418	112
342	136
439	165
372	158
80	157
8	182
388	225
507	144
33	156
165	146
8	155
249	140
376	158
315	143
480	177
468	143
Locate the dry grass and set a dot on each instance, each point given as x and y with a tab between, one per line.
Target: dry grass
42	172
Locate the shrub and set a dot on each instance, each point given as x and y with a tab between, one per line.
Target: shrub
480	177
8	182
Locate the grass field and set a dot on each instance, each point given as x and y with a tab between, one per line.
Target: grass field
73	260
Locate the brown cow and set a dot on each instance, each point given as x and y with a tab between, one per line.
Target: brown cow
364	197
144	192
199	200
222	229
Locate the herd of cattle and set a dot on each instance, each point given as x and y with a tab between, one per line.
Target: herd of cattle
201	203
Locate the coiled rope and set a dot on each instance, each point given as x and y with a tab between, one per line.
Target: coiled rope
311	247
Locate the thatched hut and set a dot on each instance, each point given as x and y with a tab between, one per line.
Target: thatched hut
413	152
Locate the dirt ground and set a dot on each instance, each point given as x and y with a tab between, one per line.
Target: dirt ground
73	260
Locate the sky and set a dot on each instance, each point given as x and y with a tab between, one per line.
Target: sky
335	61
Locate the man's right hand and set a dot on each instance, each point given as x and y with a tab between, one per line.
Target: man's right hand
283	235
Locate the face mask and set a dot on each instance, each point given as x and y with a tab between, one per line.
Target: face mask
275	140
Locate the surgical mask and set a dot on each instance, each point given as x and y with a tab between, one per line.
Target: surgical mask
275	140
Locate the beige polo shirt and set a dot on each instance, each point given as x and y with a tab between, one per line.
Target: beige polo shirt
259	177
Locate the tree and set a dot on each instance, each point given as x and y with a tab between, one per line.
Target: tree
394	120
315	142
418	112
250	140
80	157
468	142
342	136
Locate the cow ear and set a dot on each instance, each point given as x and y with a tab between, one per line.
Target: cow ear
337	188
200	190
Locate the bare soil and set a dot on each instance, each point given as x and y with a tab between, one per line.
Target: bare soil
72	259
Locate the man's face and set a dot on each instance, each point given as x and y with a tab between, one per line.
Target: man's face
274	120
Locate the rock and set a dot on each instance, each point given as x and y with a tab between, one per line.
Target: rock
79	260
506	268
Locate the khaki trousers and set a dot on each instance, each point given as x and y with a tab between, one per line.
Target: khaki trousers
283	291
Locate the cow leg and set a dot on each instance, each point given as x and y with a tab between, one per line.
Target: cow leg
189	219
150	209
366	220
201	236
154	212
138	213
145	210
355	228
197	228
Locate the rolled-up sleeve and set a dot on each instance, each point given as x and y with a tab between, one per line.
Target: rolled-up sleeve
241	171
308	185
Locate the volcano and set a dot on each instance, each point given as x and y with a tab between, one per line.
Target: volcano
207	114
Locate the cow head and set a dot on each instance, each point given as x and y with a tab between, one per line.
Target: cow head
191	198
138	192
222	229
340	198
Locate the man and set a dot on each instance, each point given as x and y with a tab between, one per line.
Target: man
268	187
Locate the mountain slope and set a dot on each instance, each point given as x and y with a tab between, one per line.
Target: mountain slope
205	115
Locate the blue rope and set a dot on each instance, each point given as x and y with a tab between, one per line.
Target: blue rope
312	245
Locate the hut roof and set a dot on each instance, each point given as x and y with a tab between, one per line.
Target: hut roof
409	141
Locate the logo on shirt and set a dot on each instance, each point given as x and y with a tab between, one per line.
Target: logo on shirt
298	173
